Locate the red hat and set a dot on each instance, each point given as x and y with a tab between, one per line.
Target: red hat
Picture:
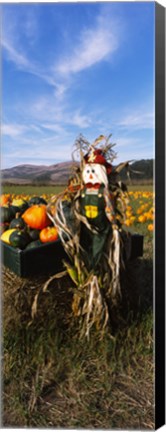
96	156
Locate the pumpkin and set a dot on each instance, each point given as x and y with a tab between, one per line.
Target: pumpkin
36	217
4	199
37	200
19	239
6	235
48	234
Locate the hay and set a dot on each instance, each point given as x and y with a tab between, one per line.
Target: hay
18	296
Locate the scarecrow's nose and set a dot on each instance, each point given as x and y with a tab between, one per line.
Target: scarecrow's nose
91	176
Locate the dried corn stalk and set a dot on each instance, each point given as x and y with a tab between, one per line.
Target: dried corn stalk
92	289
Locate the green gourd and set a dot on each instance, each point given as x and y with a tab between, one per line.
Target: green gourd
34	234
17	222
7	214
34	244
19	239
36	200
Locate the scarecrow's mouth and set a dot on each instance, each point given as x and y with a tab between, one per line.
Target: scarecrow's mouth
93	185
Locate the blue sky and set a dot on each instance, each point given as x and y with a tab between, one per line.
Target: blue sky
71	68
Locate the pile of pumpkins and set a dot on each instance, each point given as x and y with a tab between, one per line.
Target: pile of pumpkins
25	224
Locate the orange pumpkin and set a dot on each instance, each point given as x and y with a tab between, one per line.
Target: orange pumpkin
150	227
36	217
4	199
48	234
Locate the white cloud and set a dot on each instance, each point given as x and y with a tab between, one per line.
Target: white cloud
44	109
48	113
22	62
77	119
15	28
53	127
30	26
17	25
14	55
138	120
94	45
52	121
60	90
52	149
13	130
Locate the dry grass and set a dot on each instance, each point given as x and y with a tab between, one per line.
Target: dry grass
52	379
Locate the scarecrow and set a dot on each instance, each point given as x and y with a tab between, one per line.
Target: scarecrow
87	215
96	206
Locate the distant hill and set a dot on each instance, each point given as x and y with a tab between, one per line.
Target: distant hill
144	166
38	174
59	173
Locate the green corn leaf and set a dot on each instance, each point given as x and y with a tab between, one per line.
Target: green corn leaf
72	273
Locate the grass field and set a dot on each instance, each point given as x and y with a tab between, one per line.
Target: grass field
32	190
53	380
39	190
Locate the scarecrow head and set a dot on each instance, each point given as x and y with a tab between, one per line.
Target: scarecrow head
96	168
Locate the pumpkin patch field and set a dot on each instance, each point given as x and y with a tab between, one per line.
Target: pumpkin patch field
50	377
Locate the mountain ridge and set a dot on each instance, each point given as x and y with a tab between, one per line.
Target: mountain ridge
59	173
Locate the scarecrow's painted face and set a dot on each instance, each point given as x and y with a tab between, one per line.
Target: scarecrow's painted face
95	173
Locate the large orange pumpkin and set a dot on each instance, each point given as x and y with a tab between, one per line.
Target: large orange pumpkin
36	217
48	234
